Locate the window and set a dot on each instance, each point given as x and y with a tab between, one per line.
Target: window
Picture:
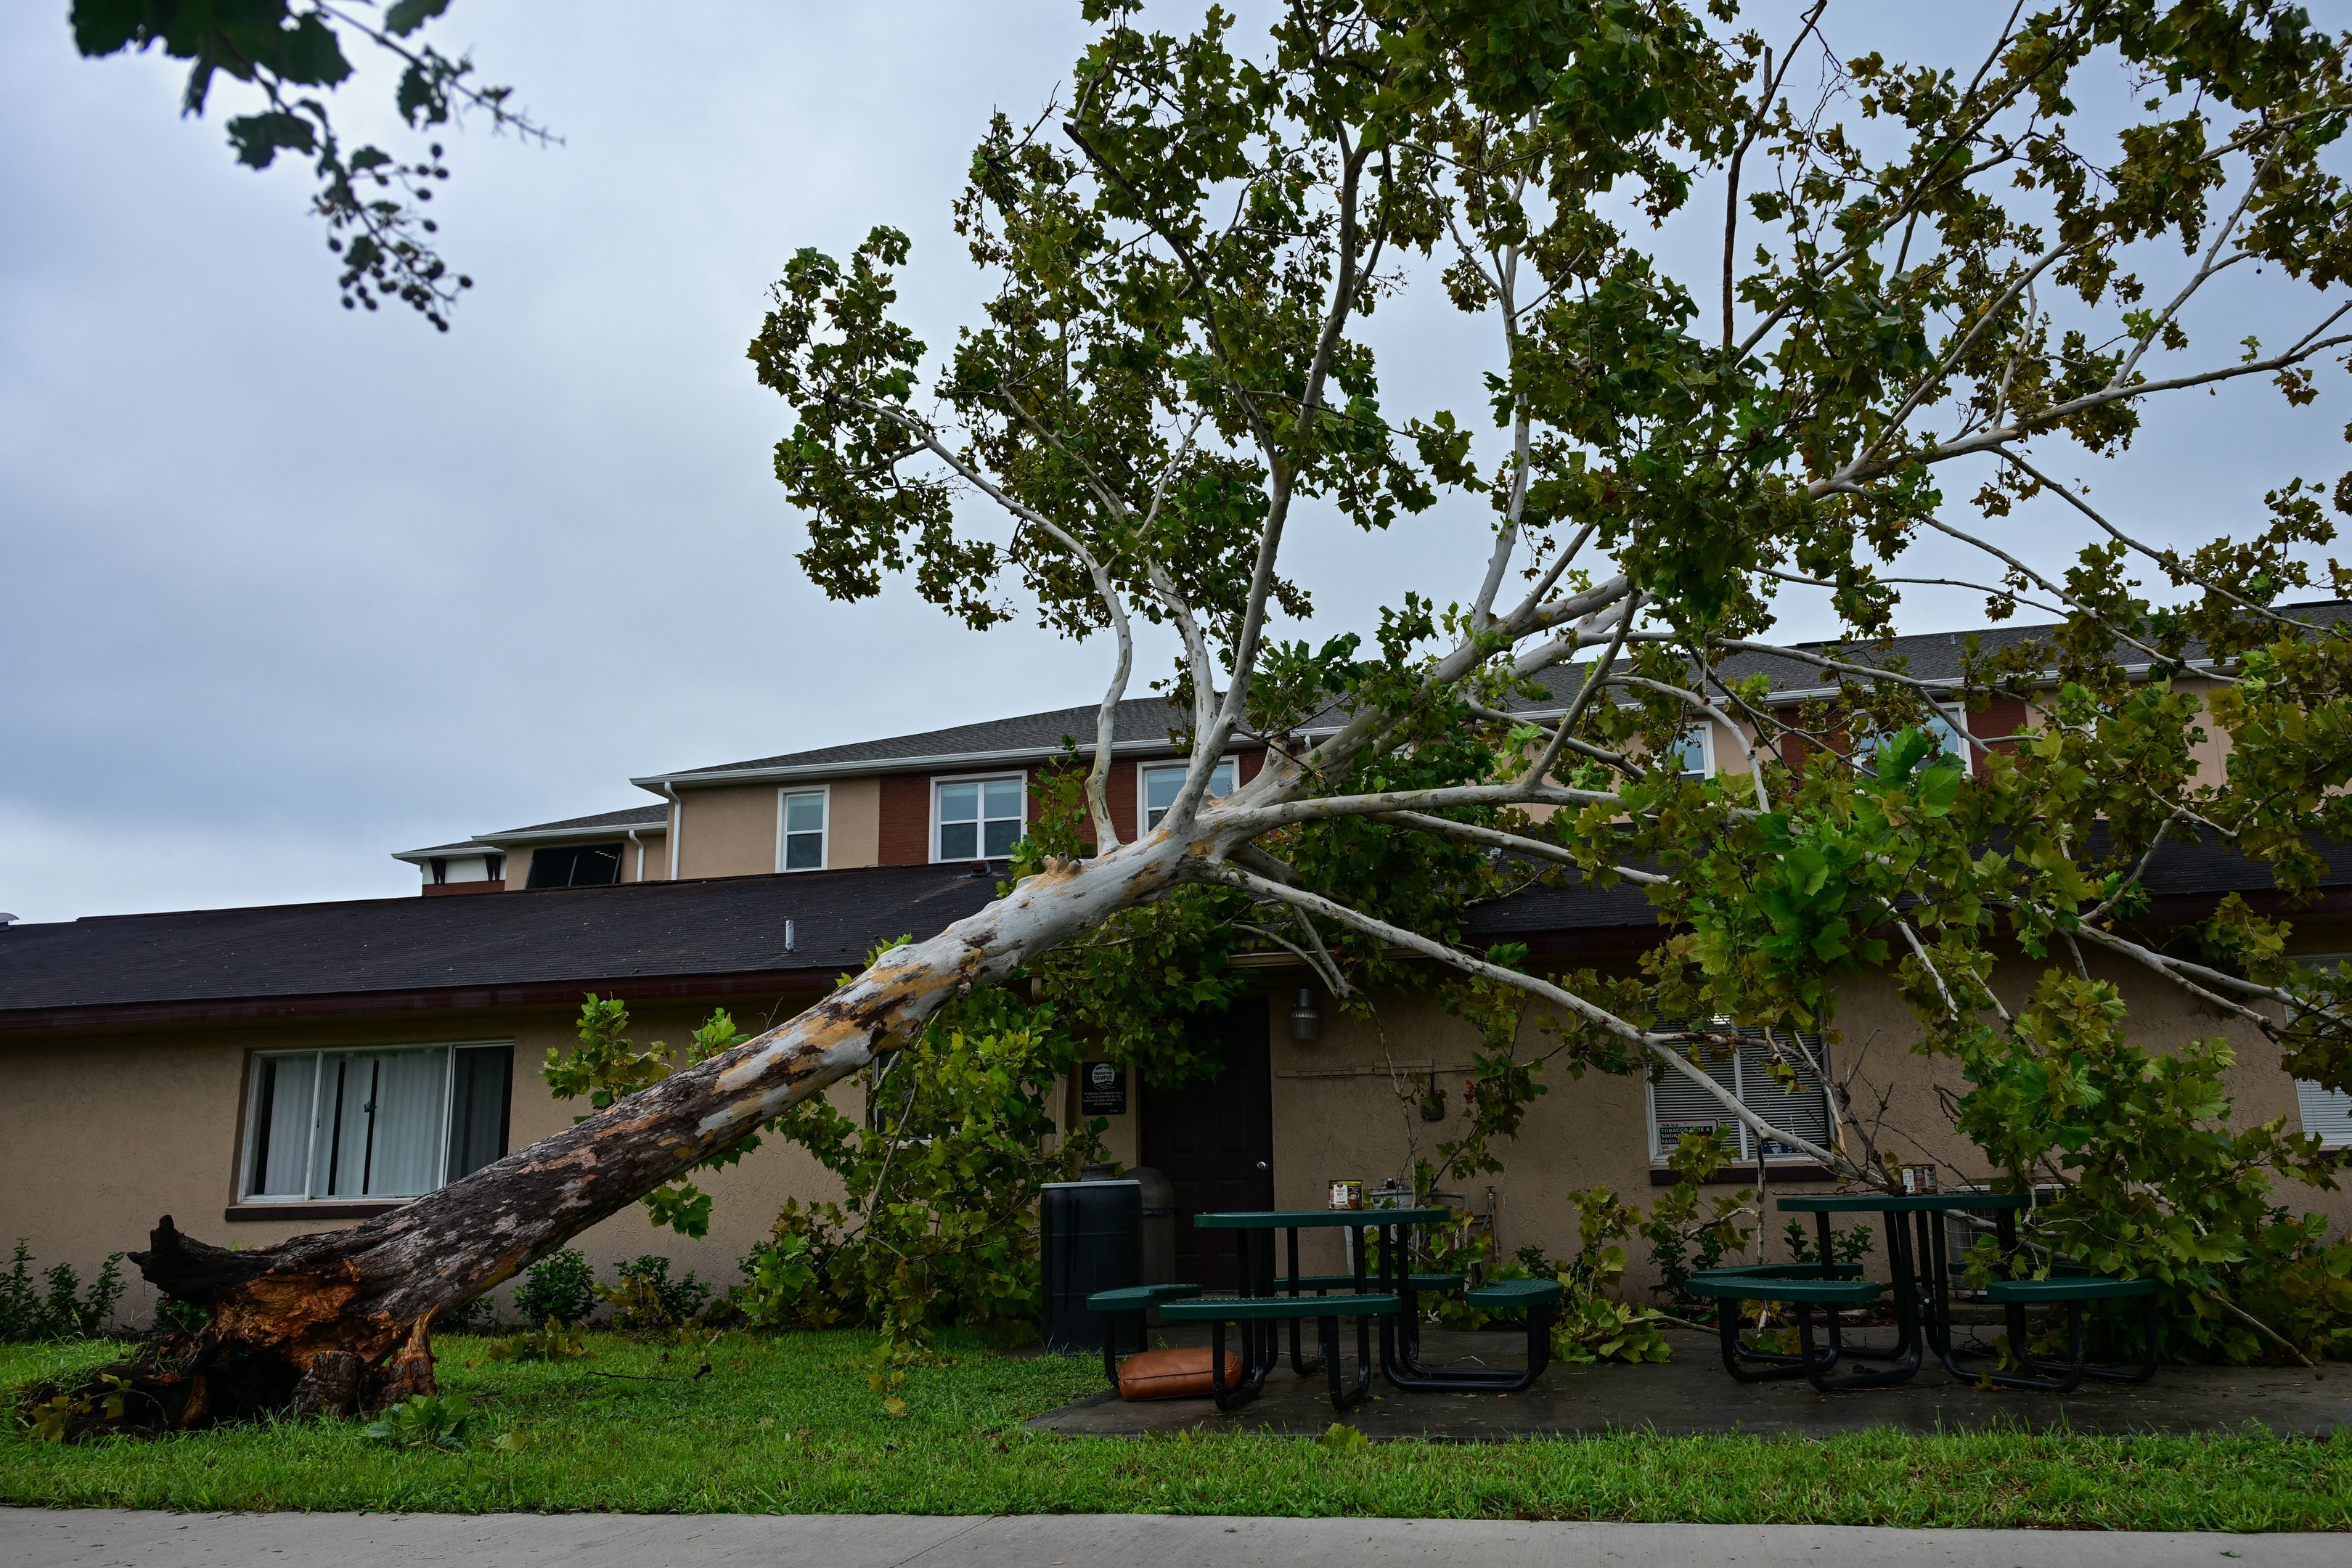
1697	751
1160	786
375	1123
979	819
1948	728
1678	1106
575	866
800	830
2327	1112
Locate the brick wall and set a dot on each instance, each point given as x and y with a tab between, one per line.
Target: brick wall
904	835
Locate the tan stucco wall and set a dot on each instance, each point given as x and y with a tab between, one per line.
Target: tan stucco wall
1338	1112
729	831
854	828
100	1134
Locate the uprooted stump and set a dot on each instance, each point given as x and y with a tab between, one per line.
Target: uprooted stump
283	1338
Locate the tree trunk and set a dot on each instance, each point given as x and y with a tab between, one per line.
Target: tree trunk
342	1320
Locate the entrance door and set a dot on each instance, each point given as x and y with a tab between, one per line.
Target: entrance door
1212	1138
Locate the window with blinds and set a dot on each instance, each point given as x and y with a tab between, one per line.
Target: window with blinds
1801	1108
379	1123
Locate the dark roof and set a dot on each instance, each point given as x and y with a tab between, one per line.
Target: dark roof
655	816
2184	869
578	936
695	933
1142	721
1930	656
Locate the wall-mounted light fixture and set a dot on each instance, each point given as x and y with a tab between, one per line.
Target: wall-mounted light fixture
1305	1019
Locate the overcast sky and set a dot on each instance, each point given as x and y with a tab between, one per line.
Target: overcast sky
288	589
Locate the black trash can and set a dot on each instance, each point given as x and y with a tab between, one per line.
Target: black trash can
1090	1239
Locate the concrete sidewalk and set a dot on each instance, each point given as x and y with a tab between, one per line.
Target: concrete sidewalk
104	1537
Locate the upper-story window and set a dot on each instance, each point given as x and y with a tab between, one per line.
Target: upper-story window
1697	751
800	830
1948	727
978	819
1163	782
574	865
373	1123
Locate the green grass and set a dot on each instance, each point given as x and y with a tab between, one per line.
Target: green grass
789	1425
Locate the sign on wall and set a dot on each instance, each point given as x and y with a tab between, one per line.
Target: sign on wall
1102	1088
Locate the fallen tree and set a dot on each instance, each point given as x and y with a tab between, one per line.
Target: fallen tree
1172	375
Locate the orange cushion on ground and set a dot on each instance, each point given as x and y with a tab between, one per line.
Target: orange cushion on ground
1172	1374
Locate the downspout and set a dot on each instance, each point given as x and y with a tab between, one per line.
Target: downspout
641	852
676	826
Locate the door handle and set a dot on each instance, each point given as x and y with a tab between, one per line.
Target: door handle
1261	1165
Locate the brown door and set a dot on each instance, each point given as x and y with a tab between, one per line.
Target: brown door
1212	1138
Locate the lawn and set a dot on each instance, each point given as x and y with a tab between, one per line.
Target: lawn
789	1425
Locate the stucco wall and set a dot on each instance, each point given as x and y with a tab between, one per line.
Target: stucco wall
729	831
854	831
1346	1106
99	1134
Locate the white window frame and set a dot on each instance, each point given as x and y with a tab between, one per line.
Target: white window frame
1704	730
825	834
1744	1153
249	1122
1143	788
2308	1096
938	780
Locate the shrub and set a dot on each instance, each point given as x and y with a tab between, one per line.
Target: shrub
57	1309
559	1285
647	1300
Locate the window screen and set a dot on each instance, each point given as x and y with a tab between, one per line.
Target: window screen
1678	1106
575	866
979	819
1162	785
377	1124
803	830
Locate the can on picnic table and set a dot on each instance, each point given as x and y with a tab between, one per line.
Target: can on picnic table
1348	1194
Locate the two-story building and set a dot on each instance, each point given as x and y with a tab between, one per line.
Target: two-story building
274	1071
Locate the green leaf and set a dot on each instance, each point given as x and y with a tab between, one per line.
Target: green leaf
404	17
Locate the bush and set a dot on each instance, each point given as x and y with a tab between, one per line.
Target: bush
559	1285
57	1310
647	1300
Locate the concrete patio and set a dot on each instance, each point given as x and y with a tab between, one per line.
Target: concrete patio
1691	1394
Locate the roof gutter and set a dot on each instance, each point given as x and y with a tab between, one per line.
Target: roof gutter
660	783
555	835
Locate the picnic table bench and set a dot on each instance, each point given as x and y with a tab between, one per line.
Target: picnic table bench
1921	1270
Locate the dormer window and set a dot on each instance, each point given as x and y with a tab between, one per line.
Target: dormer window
978	819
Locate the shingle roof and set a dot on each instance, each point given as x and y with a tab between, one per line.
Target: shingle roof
575	935
1930	656
1142	722
656	815
2184	869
